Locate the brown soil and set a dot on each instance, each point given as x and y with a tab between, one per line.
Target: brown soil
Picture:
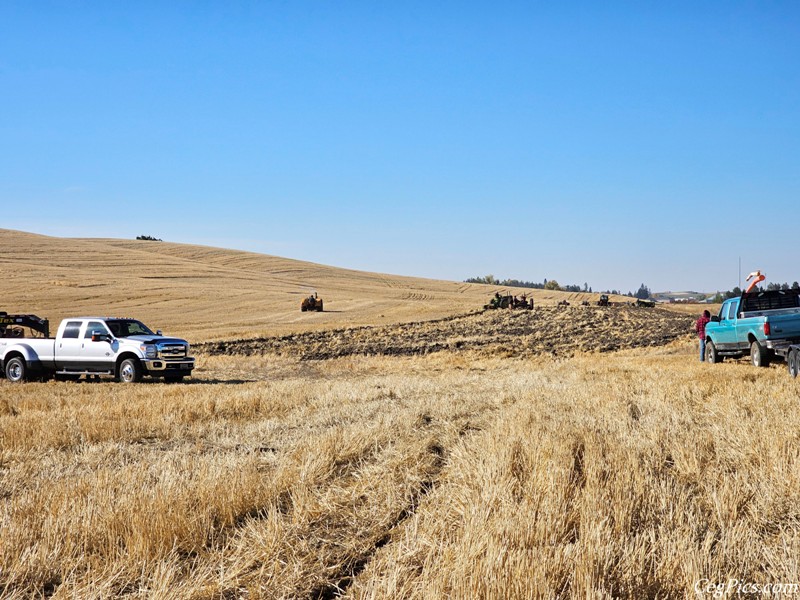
556	330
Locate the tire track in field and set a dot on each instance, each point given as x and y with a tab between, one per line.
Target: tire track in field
333	531
437	451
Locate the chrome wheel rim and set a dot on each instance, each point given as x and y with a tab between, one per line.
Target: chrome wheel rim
126	373
15	372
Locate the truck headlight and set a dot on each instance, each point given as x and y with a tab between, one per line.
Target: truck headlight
149	350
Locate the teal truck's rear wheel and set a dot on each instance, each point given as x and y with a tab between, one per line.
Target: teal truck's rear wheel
759	356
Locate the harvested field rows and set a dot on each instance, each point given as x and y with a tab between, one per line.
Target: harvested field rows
453	475
546	330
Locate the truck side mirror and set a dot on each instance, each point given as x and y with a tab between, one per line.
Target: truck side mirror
158	332
101	337
715	319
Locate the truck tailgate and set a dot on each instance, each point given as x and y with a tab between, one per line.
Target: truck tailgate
784	326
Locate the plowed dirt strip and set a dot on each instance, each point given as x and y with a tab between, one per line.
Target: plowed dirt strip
554	330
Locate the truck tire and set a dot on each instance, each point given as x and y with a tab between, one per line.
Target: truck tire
16	370
792	362
758	355
130	371
711	353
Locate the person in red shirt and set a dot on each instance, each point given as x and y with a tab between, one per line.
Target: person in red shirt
700	328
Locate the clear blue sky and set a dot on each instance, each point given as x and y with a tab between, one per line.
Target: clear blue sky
614	143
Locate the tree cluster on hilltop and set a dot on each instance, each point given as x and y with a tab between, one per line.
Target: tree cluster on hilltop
149	238
643	292
545	285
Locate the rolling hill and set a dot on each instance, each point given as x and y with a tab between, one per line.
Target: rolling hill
207	293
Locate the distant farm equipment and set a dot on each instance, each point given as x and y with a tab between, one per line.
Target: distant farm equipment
563	303
522	302
603	300
509	301
499	301
312	303
645	303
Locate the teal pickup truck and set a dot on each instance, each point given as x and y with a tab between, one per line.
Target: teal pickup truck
764	325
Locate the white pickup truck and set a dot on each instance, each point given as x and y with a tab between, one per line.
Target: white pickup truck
121	348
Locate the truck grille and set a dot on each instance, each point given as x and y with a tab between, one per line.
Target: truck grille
171	351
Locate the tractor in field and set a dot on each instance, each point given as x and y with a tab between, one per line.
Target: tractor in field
509	301
645	303
522	302
312	303
499	301
603	300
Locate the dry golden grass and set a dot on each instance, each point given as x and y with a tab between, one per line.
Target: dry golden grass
466	474
692	309
632	474
204	293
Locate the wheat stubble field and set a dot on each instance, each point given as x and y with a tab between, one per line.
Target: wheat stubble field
493	458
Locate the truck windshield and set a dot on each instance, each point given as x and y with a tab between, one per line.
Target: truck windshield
127	327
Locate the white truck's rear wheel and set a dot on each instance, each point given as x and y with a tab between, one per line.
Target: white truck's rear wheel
16	370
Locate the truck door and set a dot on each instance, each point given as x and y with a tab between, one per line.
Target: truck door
740	327
68	347
727	320
98	356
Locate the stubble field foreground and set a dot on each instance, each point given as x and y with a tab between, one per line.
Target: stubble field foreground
628	474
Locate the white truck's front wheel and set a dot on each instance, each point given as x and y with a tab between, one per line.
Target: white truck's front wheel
130	371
